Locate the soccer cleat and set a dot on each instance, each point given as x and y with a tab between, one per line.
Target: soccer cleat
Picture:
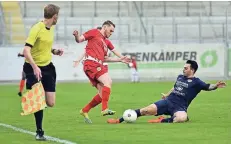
40	135
158	120
86	117
113	121
107	112
20	94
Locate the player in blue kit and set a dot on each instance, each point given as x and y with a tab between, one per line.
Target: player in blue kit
177	101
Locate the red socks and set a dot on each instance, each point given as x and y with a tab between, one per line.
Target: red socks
106	91
97	100
21	85
94	102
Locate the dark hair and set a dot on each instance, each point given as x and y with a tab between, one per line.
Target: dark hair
109	23
193	65
99	28
50	10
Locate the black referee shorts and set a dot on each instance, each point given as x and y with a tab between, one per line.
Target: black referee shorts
48	76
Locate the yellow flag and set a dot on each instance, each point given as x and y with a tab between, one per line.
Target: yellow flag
33	100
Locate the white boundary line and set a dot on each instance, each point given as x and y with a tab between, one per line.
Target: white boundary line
32	133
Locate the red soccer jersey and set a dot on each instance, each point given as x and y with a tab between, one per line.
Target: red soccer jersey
96	45
109	46
134	64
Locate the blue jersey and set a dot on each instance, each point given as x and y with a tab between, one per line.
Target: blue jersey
185	90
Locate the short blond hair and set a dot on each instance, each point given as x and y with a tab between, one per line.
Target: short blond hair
50	10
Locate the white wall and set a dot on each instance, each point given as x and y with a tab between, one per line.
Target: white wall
155	61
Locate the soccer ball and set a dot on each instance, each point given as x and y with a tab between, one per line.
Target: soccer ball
129	116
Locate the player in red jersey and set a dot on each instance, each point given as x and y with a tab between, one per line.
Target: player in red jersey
94	58
110	47
105	64
134	70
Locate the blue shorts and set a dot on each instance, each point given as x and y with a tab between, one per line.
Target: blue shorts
165	107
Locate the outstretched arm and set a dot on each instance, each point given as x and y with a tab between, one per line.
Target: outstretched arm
111	59
117	53
112	49
210	87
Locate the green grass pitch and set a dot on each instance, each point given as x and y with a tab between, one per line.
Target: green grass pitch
209	115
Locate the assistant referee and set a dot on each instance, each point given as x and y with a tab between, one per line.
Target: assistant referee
38	66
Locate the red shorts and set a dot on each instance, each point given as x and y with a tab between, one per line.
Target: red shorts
94	70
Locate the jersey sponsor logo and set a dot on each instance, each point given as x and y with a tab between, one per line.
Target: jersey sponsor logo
179	88
178	93
182	84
